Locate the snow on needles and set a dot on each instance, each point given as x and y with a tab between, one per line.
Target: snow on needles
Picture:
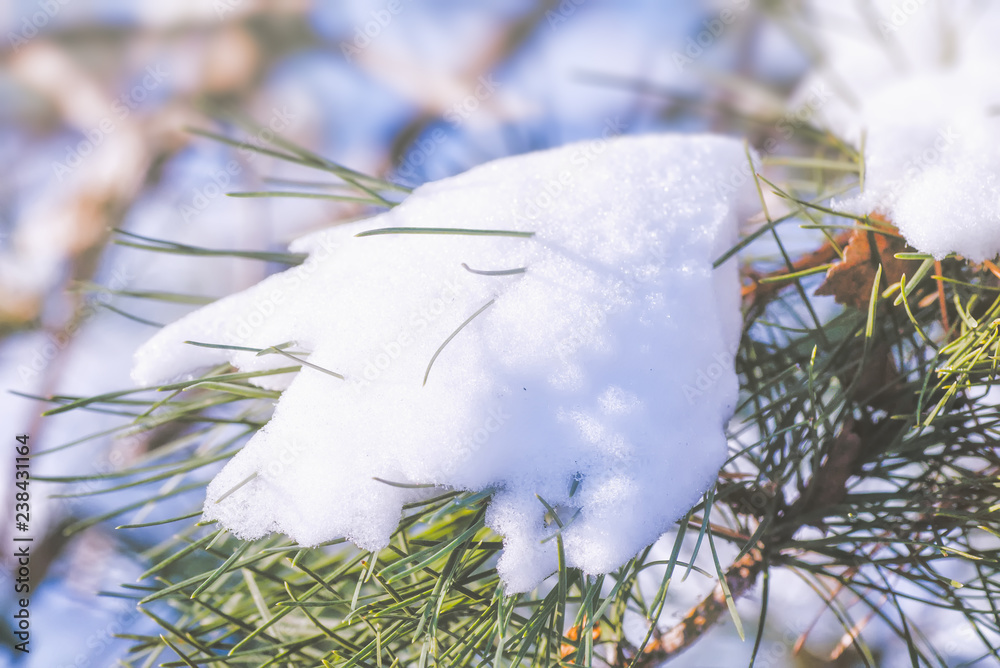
588	358
919	81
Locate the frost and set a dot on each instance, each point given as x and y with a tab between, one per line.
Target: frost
599	378
918	81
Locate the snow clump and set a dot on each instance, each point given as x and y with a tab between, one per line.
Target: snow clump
587	357
917	80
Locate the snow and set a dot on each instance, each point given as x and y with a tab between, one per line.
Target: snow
599	379
917	80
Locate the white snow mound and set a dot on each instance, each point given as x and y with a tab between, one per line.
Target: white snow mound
918	81
599	379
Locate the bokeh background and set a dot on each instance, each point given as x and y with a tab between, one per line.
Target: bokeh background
96	102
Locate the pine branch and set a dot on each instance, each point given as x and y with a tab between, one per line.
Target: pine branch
740	578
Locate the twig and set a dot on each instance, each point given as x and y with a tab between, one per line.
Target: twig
740	577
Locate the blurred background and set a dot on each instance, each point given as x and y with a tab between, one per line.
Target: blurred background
96	102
